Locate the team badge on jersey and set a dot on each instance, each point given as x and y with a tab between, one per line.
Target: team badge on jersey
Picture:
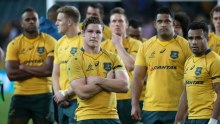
198	71
174	54
107	66
73	50
40	50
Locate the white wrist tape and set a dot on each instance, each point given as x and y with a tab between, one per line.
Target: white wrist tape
213	121
62	92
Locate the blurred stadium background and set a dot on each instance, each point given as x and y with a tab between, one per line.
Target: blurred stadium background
142	10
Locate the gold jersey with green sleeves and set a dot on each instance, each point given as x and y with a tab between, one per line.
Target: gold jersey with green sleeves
214	42
31	52
131	46
107	33
165	63
199	75
82	65
64	50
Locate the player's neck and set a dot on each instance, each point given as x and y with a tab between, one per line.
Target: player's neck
31	35
72	32
217	33
92	50
164	39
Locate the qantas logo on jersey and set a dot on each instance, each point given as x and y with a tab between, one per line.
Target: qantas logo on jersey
33	61
73	50
162	67
40	50
174	54
194	82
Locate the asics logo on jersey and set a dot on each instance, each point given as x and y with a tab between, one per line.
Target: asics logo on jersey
163	50
96	63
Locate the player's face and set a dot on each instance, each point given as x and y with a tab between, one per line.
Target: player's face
164	25
135	32
178	28
62	23
30	22
197	41
95	12
216	20
118	24
93	35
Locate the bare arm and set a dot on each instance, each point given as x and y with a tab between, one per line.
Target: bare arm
2	55
182	110
124	55
216	108
44	70
119	84
84	90
137	85
14	73
56	77
59	95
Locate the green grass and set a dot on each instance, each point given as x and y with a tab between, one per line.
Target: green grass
4	108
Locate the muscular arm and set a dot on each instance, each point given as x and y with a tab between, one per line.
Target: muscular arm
182	110
124	55
56	77
44	70
137	85
126	58
2	55
14	73
216	108
84	90
119	84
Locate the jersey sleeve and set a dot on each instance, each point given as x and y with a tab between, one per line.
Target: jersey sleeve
118	64
140	59
56	59
185	46
12	51
215	72
74	69
135	47
188	51
51	45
